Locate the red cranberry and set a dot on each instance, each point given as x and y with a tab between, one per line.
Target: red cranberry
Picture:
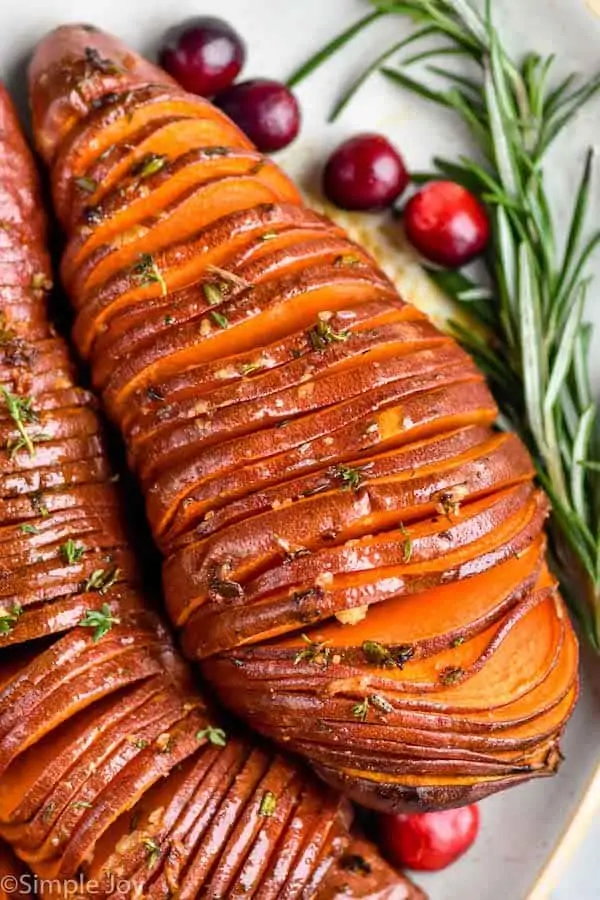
429	841
365	172
203	54
265	110
446	223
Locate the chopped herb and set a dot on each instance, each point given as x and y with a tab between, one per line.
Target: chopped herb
356	864
140	743
268	236
146	272
153	851
360	710
213	292
37	503
101	620
407	545
29	529
48	811
220	319
316	652
350	478
216	151
268	804
88	185
154	394
82	804
404	654
323	334
101	64
381	703
451	675
457	642
10	617
21	412
376	654
15	446
213	735
249	367
346	259
101	580
149	165
71	552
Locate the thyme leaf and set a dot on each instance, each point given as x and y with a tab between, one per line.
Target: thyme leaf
219	318
150	164
10	617
213	735
360	710
324	334
101	620
316	652
101	580
71	552
146	272
268	804
351	478
153	851
21	411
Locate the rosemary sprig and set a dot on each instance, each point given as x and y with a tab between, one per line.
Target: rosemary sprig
533	343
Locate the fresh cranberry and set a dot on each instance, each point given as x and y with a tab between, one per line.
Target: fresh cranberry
446	223
265	110
429	841
203	54
365	172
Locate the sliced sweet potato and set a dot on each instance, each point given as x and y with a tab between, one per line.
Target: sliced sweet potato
352	550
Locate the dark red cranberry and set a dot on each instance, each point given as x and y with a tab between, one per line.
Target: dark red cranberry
429	841
203	54
446	223
265	110
365	172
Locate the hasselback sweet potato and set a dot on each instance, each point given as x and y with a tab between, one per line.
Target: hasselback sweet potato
352	552
114	770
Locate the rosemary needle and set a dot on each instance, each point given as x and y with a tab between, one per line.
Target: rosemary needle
537	360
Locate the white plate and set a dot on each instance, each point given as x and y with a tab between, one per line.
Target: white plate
527	833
